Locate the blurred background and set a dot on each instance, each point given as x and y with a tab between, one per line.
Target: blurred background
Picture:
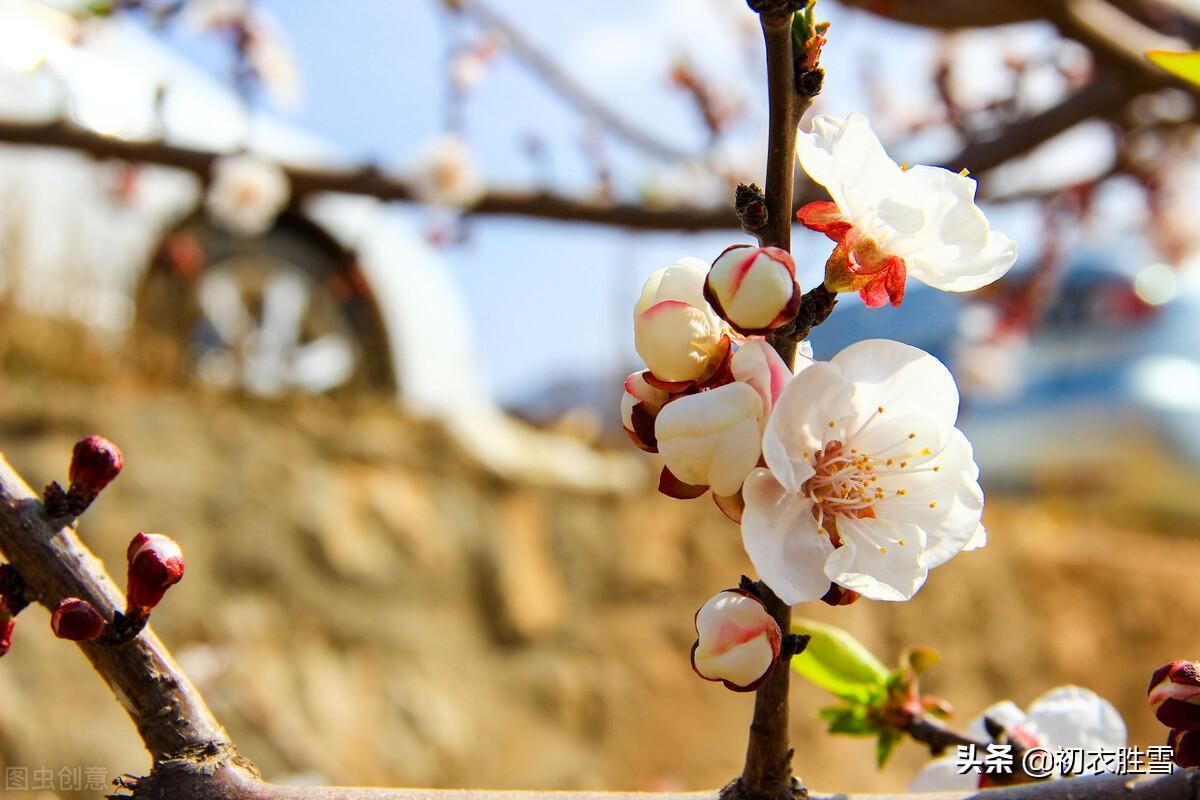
385	431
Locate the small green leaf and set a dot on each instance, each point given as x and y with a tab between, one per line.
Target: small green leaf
838	663
888	739
849	720
1181	65
920	659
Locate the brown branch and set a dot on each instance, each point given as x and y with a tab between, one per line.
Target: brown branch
574	93
169	713
952	14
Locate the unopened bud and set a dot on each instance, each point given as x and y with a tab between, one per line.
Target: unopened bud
155	565
639	406
754	288
1175	690
95	462
712	438
76	620
1185	745
676	333
737	641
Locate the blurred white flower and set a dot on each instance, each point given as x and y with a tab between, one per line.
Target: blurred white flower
737	641
206	15
869	484
1066	718
246	194
270	56
445	173
677	334
891	221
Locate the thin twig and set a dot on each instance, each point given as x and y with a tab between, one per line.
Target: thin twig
574	93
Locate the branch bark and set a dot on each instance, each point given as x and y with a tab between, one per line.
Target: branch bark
169	713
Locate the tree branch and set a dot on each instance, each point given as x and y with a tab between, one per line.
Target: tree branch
951	14
574	93
169	713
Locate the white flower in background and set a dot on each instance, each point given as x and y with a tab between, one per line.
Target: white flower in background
869	484
714	438
207	15
737	641
754	288
246	194
1065	718
677	334
270	56
445	173
891	222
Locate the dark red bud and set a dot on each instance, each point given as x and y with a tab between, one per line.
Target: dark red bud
75	620
1178	673
94	463
1186	746
1179	714
7	624
155	565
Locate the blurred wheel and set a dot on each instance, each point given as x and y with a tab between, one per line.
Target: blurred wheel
284	313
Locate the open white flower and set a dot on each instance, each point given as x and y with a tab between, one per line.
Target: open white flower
869	484
1065	718
891	221
445	173
246	194
675	331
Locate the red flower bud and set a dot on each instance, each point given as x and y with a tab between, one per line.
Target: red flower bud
737	641
1186	747
75	620
1175	689
155	565
94	463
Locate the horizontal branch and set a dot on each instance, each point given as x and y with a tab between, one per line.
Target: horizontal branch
169	713
371	182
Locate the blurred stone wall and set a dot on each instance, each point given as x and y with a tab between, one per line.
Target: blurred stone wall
364	603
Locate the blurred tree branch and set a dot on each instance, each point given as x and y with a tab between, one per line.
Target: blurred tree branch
558	80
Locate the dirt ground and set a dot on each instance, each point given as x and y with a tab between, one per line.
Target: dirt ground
364	603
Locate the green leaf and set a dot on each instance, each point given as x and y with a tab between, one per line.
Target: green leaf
1181	65
888	739
849	720
838	663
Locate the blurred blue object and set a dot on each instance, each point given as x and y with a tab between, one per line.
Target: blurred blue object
1103	394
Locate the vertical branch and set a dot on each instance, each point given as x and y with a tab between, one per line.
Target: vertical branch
767	774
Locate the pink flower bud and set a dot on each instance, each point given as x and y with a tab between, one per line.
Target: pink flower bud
1175	690
754	288
712	438
94	463
675	332
737	641
155	565
1186	747
75	620
639	406
1179	680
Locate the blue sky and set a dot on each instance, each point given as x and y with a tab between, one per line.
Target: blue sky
554	299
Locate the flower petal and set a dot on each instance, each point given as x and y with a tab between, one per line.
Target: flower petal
942	775
817	396
780	535
903	379
880	559
1071	716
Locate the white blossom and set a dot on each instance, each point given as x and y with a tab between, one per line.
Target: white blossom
445	173
891	221
869	484
246	194
1066	718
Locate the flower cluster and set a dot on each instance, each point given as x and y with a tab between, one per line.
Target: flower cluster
848	477
1065	718
1175	694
